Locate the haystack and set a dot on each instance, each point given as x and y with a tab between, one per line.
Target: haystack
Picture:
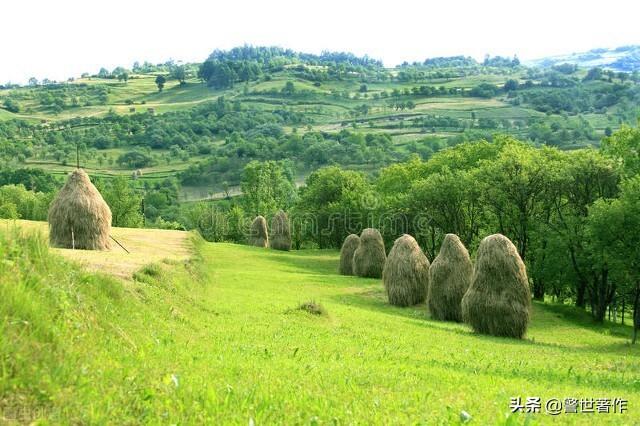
369	257
258	235
280	232
499	300
406	273
79	217
449	279
349	247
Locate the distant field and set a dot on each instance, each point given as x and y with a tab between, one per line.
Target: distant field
326	106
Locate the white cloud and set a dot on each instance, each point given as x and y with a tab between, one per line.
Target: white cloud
59	39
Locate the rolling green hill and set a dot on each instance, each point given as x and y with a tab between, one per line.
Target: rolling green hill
410	112
623	58
221	339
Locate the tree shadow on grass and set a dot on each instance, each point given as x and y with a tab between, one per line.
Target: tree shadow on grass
312	261
374	299
579	318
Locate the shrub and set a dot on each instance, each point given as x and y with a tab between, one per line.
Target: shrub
313	308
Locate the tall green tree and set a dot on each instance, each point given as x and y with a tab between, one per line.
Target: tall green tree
624	147
125	204
334	203
614	230
160	81
267	186
586	176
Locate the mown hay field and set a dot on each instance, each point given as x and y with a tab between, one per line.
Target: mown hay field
144	247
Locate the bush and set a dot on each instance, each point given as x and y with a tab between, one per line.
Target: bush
313	308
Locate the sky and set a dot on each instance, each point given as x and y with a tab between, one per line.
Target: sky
62	39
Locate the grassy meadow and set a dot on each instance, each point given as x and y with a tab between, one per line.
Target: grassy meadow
218	339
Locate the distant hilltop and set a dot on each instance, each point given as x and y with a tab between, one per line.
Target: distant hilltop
624	58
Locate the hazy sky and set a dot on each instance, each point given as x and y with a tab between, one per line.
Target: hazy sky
60	39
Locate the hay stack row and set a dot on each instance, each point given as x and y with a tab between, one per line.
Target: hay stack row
280	232
364	255
493	298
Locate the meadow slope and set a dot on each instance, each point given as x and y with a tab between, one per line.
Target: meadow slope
219	339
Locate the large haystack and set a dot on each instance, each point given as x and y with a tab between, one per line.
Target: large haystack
369	257
349	247
449	279
280	232
499	300
406	273
258	235
79	217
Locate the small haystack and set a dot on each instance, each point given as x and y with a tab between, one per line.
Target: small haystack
449	279
369	257
406	273
280	232
258	236
349	247
79	217
499	300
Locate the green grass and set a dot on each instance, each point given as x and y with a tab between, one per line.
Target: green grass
221	339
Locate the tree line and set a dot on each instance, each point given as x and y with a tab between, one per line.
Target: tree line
572	215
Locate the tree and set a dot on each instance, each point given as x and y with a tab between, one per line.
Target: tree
624	147
206	70
510	85
123	76
179	73
331	206
135	160
219	75
267	186
614	229
451	201
289	88
11	105
593	74
585	177
513	187
160	81
124	203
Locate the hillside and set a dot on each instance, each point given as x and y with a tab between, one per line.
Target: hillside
249	103
623	58
220	338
